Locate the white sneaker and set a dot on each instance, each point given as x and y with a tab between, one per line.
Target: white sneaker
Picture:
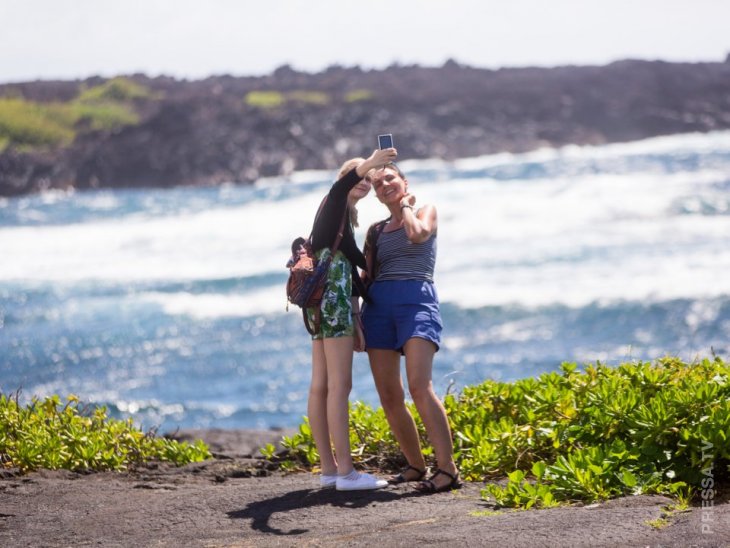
327	481
360	483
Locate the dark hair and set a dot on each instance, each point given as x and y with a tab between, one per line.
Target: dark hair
391	165
296	244
396	168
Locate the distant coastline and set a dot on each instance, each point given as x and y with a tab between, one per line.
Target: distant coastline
136	131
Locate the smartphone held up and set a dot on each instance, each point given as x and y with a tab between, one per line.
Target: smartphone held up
385	141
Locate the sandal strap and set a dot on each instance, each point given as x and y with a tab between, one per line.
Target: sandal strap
445	473
400	477
409	467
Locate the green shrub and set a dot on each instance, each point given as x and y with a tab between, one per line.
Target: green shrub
357	95
35	124
264	99
28	124
115	90
47	434
309	97
271	99
570	435
107	115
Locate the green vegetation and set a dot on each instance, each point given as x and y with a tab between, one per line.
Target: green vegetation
35	124
668	514
264	99
29	124
115	90
272	99
570	435
359	95
309	97
47	434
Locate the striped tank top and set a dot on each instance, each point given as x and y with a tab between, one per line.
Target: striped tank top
399	259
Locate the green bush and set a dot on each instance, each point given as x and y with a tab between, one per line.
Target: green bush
115	90
309	97
358	95
108	115
264	99
28	124
570	435
47	434
35	124
269	99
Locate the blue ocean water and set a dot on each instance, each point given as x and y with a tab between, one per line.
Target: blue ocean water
168	305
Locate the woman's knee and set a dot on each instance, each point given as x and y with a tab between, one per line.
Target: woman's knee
340	388
421	392
391	398
318	390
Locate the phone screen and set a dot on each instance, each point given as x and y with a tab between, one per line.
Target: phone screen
385	141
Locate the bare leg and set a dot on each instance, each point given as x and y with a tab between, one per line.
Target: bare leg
317	409
338	353
385	365
419	365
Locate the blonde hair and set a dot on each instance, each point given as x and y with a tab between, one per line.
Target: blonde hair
348	166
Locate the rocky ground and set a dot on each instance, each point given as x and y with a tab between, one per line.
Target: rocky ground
232	501
209	131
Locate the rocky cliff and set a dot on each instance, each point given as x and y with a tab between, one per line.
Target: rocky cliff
139	131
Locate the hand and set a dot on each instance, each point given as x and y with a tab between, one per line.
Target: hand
358	335
379	158
408	200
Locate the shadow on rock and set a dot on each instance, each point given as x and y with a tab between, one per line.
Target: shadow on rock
260	511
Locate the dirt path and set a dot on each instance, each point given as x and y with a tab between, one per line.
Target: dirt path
220	503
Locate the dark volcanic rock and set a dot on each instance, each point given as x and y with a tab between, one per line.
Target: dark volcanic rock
203	132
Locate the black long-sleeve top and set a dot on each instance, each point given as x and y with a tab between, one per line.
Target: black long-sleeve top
328	222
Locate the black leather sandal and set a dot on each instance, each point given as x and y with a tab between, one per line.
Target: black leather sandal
428	486
401	477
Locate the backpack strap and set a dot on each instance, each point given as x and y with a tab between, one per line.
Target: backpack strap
371	249
313	329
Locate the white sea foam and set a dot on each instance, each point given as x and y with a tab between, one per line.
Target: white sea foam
263	301
570	239
224	242
666	145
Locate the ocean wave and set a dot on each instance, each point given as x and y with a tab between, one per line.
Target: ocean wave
200	306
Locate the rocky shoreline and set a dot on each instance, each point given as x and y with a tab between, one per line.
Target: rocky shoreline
238	129
232	500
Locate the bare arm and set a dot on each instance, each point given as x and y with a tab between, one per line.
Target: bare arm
421	225
378	158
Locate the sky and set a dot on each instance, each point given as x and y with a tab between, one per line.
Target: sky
193	39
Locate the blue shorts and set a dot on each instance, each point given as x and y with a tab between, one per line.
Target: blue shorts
401	310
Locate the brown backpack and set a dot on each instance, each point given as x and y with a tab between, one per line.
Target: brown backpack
308	275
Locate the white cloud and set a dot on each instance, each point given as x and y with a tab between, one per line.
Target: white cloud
192	38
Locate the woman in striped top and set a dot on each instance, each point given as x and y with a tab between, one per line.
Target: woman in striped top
404	319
